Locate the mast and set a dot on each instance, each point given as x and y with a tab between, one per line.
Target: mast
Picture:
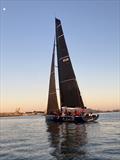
69	92
52	105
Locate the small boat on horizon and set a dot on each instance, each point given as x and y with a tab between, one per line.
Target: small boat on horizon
72	108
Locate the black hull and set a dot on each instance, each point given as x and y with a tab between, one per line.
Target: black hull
74	119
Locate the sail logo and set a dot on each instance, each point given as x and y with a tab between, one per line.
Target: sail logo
65	59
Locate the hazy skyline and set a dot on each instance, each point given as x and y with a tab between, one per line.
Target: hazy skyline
92	30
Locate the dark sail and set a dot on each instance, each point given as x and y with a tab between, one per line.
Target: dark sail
69	91
52	105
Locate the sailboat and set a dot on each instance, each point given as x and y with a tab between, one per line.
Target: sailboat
72	108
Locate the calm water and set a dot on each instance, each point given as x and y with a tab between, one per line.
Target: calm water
31	138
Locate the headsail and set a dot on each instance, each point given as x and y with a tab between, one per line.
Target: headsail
69	91
52	105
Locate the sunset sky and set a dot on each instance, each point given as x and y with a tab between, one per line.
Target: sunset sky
92	33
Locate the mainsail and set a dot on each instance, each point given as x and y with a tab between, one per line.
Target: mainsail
52	105
69	92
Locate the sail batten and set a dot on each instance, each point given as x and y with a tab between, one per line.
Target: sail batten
67	80
69	91
63	57
60	36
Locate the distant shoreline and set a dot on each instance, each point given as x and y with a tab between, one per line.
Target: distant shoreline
14	114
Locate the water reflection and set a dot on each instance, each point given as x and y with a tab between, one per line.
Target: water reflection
67	140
